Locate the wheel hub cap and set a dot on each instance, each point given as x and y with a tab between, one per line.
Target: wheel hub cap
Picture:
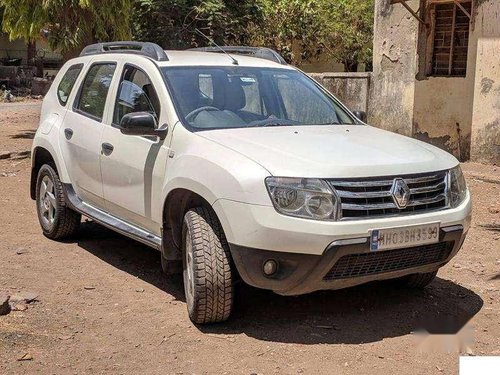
47	201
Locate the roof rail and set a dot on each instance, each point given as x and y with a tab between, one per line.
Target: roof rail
260	52
148	49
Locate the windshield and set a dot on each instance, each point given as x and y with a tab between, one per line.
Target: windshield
235	97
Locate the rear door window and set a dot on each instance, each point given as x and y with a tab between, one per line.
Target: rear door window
94	90
67	83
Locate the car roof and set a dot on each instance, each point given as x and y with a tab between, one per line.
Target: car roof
199	58
260	57
193	58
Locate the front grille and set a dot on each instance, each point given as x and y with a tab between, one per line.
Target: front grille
364	264
362	198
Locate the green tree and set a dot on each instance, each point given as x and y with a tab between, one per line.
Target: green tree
68	24
291	27
305	29
172	23
348	33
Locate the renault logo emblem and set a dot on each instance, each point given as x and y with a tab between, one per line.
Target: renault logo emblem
400	193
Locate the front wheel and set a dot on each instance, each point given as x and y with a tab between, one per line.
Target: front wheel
208	280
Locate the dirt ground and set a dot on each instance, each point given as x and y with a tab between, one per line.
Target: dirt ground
103	305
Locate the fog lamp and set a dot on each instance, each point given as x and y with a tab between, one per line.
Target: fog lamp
270	267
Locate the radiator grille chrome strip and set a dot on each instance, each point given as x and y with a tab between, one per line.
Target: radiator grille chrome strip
386	182
371	197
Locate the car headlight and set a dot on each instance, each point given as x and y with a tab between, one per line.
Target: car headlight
303	197
457	186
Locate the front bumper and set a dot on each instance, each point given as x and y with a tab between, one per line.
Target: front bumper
305	273
261	227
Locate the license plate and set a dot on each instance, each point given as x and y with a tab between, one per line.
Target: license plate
393	238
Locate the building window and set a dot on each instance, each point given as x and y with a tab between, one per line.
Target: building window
450	38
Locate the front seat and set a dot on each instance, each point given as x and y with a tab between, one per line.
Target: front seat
235	101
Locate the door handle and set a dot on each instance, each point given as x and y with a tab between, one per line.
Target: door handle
68	133
107	148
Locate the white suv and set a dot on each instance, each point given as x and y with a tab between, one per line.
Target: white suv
237	165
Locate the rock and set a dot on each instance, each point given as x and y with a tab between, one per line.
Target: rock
8	97
23	297
494	209
26	357
8	174
469	351
4	304
5	154
140	290
89	287
21	250
40	86
20	155
19	307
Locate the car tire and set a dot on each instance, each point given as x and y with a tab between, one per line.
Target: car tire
419	280
207	269
58	221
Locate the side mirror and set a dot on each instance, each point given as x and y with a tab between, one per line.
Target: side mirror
361	115
141	123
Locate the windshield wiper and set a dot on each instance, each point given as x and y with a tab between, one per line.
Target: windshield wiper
277	123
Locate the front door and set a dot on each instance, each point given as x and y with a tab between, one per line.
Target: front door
82	131
134	168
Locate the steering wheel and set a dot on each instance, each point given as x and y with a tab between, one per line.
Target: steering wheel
191	115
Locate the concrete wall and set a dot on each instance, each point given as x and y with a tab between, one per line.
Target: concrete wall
485	142
13	49
322	66
394	67
351	88
17	48
443	105
442	113
458	114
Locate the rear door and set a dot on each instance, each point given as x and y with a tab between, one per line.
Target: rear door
82	132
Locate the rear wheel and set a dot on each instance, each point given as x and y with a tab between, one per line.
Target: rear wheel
418	280
56	219
208	280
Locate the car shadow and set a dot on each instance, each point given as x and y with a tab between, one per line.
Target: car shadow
362	314
129	256
366	313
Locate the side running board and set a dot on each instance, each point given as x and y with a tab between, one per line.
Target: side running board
110	221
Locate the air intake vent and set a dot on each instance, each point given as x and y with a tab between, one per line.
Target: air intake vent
365	264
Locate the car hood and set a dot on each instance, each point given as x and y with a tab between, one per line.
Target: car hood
330	151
